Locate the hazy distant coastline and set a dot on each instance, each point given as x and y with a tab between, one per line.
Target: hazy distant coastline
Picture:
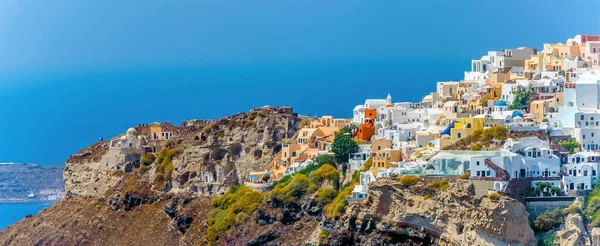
30	183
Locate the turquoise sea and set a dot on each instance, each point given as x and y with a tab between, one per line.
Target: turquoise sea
11	213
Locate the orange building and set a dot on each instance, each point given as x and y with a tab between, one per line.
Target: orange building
367	129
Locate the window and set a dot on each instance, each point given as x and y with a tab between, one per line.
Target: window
488	173
459	135
478	173
477	163
582	116
583	136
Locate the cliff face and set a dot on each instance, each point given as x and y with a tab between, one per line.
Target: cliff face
116	197
210	155
393	214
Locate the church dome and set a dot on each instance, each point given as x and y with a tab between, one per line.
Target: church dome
427	98
131	132
500	103
517	113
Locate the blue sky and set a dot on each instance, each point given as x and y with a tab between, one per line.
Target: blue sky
71	70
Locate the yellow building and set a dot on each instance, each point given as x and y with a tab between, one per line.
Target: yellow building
463	127
500	77
533	65
383	159
539	108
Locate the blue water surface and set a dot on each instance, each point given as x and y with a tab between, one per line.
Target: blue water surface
11	213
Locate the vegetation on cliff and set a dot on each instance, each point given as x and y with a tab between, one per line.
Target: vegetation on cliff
592	206
234	206
548	220
409	180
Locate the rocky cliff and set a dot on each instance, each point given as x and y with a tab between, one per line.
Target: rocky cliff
209	156
394	213
118	196
574	232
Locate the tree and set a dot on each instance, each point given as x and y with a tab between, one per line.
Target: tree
521	100
343	146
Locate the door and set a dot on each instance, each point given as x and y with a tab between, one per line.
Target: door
571	186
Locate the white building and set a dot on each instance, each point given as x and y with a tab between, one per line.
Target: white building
357	160
581	171
527	157
508	90
361	190
581	110
124	152
500	60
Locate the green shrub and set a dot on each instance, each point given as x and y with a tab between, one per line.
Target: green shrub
571	146
291	190
496	132
252	115
235	205
324	237
477	133
440	184
148	159
211	127
426	197
409	180
325	172
572	209
165	160
248	124
595	222
476	146
340	203
547	239
548	220
541	186
494	196
304	122
326	196
465	175
325	159
592	206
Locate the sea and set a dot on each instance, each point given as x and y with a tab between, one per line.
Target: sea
13	212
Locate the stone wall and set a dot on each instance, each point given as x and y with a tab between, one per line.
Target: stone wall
482	186
518	187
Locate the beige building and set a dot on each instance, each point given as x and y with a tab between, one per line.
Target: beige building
384	159
447	89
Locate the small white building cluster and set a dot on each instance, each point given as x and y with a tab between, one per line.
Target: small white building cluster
123	152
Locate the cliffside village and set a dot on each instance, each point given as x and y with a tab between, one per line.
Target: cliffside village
548	100
551	97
